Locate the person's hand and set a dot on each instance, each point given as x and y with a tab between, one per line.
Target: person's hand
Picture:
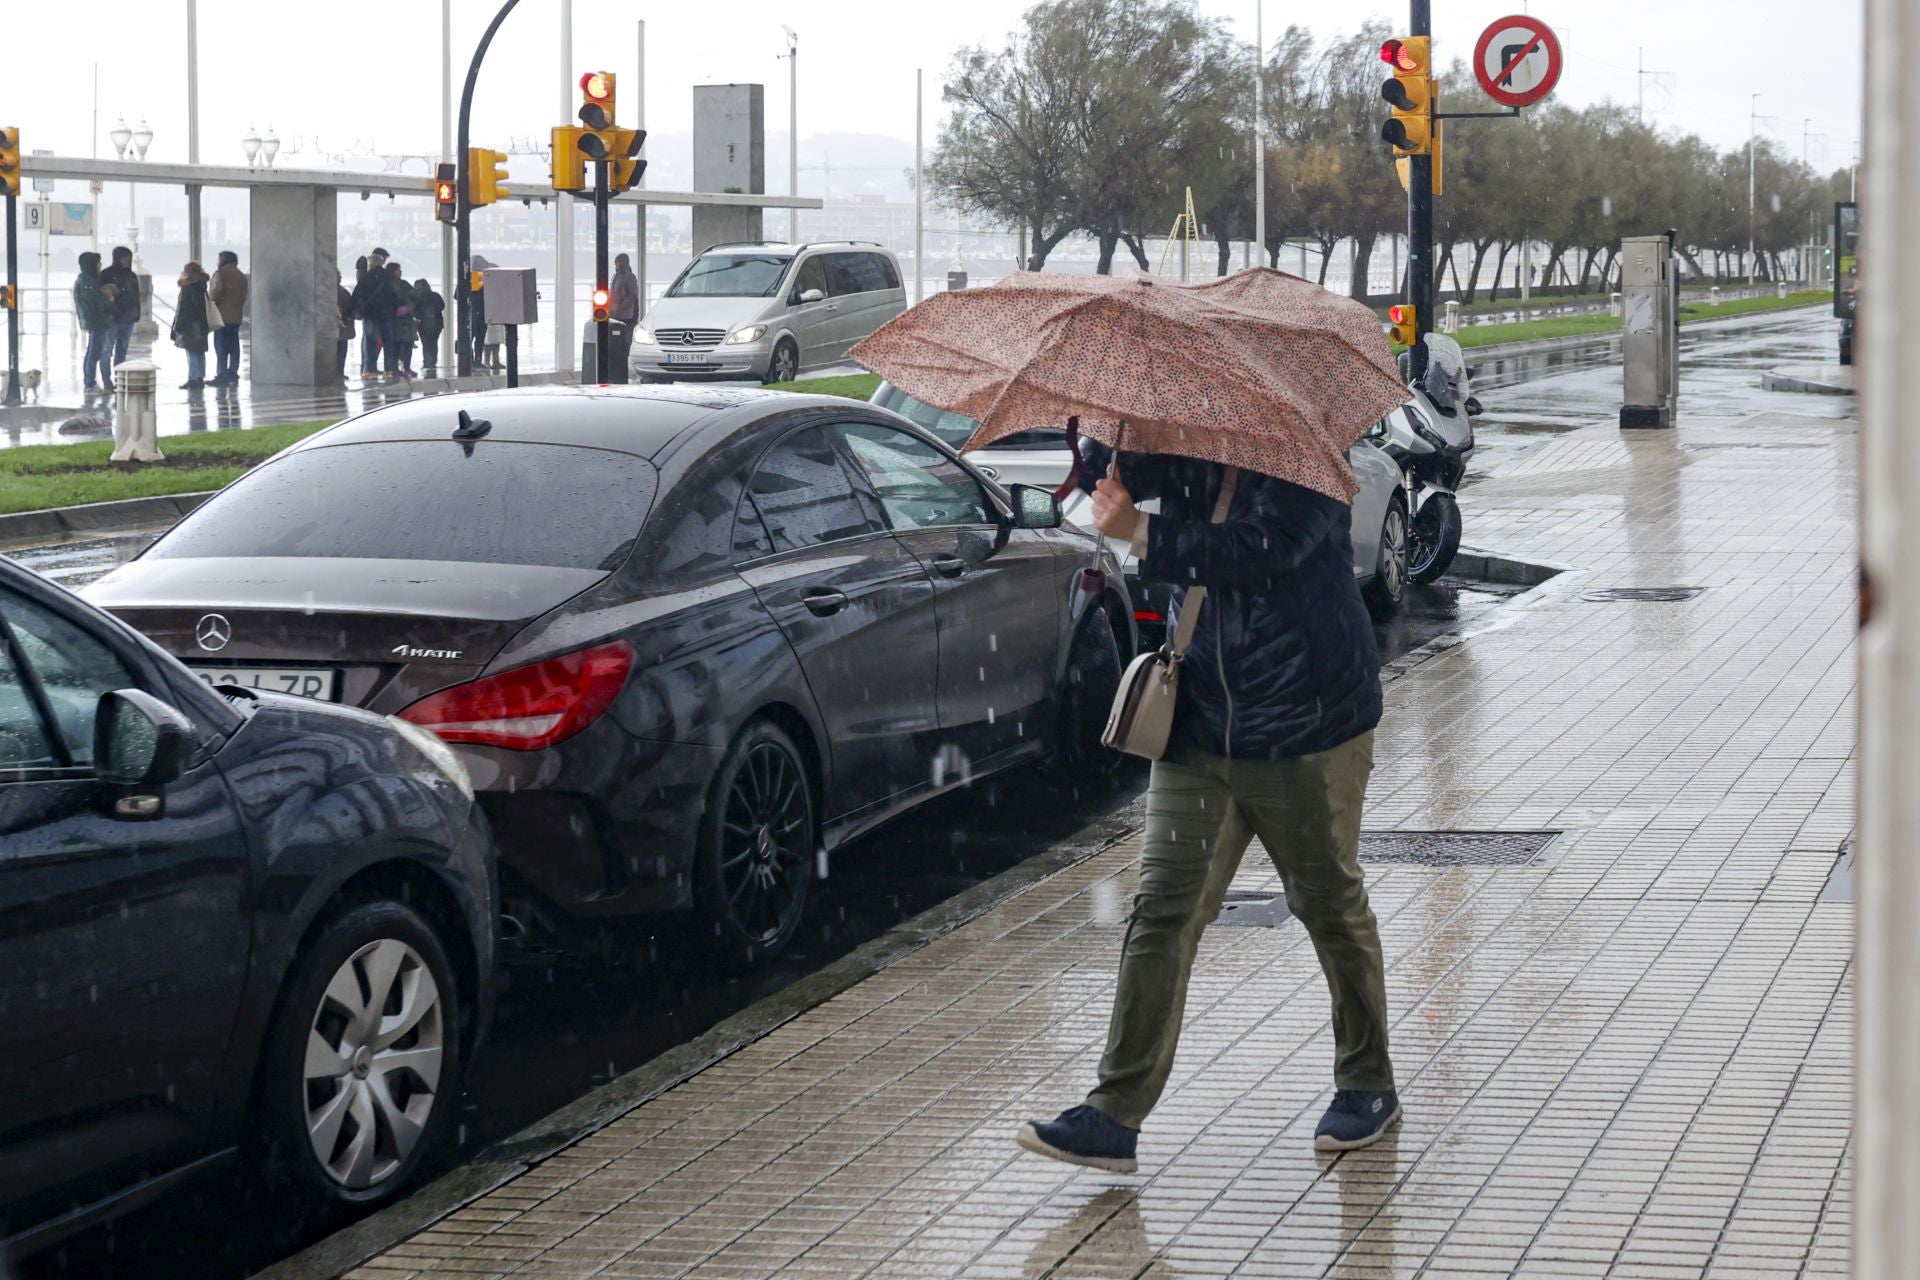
1113	511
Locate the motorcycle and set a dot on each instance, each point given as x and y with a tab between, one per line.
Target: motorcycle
1432	438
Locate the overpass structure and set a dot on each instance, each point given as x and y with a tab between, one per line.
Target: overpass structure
291	290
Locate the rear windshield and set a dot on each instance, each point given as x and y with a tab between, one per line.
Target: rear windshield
731	275
508	503
955	428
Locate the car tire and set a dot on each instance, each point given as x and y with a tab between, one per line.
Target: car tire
1386	591
391	1100
1087	690
784	364
1433	538
754	864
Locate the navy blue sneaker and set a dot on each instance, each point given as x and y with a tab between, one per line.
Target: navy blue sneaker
1356	1118
1083	1135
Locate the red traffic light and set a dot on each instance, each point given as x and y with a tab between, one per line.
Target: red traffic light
1396	55
446	193
601	298
1399	315
443	191
597	86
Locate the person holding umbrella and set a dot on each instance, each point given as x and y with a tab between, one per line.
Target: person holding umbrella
1236	400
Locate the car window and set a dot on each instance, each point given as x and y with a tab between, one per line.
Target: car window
919	486
506	502
23	737
804	495
812	275
731	275
884	271
956	428
74	667
844	274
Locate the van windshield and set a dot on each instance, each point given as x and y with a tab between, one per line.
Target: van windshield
731	275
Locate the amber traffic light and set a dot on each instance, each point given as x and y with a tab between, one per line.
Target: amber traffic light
486	176
1409	92
1401	317
9	160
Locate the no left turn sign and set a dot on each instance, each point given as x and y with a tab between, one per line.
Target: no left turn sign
1517	61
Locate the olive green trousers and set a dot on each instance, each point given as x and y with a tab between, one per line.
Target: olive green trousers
1202	812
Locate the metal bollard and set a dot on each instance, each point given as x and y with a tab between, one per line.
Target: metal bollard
1713	293
1450	317
1613	304
135	426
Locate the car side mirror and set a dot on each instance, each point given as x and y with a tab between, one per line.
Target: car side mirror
1474	407
812	295
138	740
1035	508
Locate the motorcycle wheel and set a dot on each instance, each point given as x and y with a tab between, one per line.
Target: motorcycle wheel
1433	538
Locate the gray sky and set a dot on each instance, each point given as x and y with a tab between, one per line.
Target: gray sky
371	74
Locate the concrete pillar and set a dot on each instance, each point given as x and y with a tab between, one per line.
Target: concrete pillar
729	154
290	294
1886	1106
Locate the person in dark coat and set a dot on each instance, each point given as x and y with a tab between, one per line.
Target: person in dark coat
1273	724
373	307
122	288
343	316
430	314
402	327
90	309
190	329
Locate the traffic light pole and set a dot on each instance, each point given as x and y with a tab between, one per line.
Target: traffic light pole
13	292
1420	222
462	236
602	329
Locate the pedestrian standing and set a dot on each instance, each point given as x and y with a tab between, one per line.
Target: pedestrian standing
90	309
430	314
402	328
229	294
190	328
1278	696
373	304
122	288
624	311
343	316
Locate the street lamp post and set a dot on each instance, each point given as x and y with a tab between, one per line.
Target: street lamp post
793	131
1753	133
1259	133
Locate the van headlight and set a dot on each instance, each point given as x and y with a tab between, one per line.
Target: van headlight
752	333
641	335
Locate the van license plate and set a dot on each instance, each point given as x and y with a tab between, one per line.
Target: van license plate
307	682
686	357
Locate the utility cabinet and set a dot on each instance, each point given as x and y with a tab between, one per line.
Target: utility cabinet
1650	330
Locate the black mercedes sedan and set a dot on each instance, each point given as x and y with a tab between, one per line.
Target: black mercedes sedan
688	640
231	922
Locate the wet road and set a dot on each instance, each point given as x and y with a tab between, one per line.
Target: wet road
567	1025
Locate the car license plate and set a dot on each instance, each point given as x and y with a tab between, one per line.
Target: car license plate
307	682
687	357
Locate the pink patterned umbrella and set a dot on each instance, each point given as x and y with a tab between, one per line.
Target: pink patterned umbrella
1259	369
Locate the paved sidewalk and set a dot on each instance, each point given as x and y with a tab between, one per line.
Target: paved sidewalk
1629	1059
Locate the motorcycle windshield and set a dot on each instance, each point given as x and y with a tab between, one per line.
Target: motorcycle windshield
1446	381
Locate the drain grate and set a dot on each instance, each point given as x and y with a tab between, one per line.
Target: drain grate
1247	909
1640	595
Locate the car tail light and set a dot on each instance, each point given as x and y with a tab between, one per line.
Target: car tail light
1148	615
529	707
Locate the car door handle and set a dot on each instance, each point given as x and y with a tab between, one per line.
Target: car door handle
139	806
949	566
823	602
831	306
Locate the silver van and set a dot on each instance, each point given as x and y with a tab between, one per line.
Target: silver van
767	311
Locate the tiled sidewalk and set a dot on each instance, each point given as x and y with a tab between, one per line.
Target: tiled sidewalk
1629	1061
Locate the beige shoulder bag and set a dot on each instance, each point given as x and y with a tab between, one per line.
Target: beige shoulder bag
1141	721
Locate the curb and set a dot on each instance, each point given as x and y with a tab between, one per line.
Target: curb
1775	380
507	1159
1489	566
97	518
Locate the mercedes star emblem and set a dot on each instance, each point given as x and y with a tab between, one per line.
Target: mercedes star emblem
213	632
686	338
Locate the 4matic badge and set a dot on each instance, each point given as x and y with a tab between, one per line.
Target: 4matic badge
411	651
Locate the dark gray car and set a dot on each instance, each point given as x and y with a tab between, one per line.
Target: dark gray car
688	641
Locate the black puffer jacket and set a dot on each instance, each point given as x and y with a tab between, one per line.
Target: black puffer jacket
1283	661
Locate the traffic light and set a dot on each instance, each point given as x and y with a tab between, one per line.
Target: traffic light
602	305
6	297
1410	93
597	141
9	160
446	193
486	176
569	167
627	168
1401	317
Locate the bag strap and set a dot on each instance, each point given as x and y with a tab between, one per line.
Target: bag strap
1193	597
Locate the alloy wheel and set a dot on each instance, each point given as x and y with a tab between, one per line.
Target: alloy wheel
785	365
374	1055
764	834
1393	552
